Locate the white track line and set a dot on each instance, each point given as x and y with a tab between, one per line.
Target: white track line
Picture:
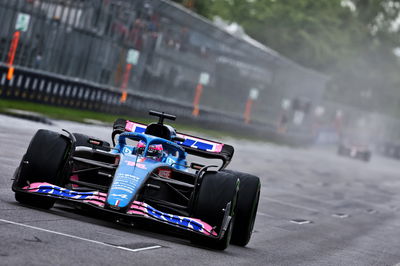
79	238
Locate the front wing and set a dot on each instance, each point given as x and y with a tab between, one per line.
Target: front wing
137	209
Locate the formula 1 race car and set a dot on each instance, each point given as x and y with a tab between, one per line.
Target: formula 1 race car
145	177
357	151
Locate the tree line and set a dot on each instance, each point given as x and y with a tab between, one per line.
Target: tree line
353	41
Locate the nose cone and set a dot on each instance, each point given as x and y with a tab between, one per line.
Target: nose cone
129	178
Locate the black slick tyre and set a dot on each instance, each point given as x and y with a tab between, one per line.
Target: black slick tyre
42	162
246	207
216	190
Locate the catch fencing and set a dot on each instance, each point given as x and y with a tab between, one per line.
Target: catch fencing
47	88
74	53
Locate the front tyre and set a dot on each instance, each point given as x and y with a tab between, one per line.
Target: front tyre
216	190
246	208
43	161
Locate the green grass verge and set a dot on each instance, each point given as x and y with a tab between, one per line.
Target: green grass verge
63	113
54	112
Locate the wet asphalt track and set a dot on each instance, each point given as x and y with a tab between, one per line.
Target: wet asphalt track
353	208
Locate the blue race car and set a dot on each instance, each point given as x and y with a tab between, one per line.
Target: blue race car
144	177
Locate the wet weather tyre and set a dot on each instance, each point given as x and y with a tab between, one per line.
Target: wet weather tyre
216	190
246	207
367	156
341	150
42	162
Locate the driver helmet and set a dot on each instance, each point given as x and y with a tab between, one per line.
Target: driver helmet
140	147
155	151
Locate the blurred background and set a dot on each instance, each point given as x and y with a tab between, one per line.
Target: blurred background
297	71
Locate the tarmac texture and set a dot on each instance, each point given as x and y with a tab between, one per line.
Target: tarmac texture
316	208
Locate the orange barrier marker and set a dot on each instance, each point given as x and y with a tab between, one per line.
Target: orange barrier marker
10	73
124	84
11	54
247	111
196	100
123	97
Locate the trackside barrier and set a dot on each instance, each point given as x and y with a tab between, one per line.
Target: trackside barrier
51	89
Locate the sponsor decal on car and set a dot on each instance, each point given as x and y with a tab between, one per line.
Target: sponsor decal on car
127	150
170	161
141	159
96	198
201	144
140	165
190	141
135	127
125	182
167	173
137	208
124	196
187	222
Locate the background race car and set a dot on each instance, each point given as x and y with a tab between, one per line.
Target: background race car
355	148
144	176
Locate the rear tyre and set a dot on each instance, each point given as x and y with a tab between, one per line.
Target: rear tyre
216	190
246	208
341	150
367	156
43	162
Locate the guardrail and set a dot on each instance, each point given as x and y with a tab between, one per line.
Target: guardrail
51	89
57	90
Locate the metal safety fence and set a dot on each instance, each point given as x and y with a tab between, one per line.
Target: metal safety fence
47	88
85	53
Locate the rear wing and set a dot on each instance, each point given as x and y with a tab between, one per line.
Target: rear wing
193	145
